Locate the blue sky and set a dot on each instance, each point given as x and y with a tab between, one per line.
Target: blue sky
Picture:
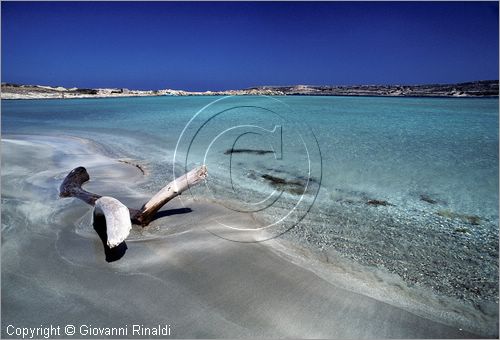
223	45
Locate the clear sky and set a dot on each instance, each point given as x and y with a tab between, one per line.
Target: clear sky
224	45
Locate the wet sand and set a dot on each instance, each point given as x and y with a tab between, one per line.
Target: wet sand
175	272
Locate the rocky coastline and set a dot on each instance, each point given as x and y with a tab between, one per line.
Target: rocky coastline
483	88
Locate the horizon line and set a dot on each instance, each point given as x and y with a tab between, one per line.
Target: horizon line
260	86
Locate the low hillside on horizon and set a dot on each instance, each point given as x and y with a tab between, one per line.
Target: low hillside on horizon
482	88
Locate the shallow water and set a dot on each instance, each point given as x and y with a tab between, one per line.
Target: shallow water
322	159
388	148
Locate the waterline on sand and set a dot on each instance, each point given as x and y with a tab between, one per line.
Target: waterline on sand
175	267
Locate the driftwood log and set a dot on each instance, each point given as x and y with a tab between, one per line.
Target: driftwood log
118	217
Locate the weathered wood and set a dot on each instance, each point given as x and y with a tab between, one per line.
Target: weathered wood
170	191
72	186
110	254
118	217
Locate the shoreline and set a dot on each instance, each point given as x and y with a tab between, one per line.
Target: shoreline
250	95
177	228
475	89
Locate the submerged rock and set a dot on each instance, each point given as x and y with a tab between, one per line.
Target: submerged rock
428	199
471	219
378	202
274	179
295	187
248	151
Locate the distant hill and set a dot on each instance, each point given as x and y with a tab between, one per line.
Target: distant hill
483	88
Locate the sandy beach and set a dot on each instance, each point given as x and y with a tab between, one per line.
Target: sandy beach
175	272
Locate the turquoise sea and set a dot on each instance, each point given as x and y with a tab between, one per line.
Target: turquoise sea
404	185
389	147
